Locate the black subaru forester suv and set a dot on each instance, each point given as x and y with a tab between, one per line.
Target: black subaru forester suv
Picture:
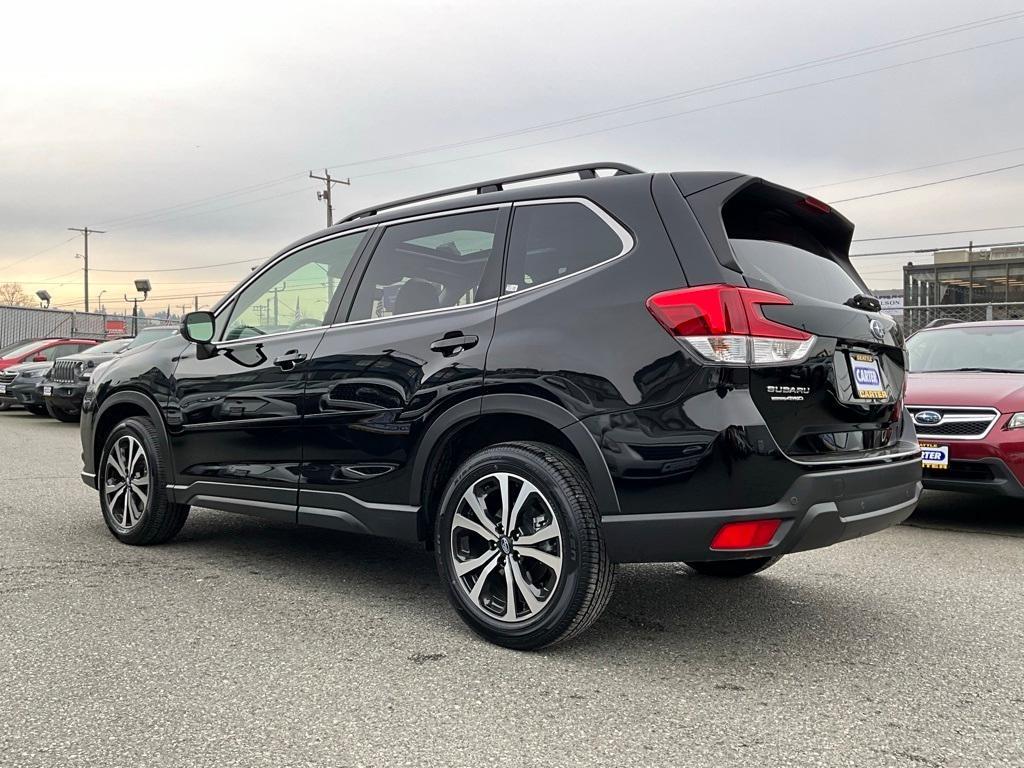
539	382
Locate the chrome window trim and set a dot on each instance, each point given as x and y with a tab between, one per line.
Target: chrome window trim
624	235
995	413
383	224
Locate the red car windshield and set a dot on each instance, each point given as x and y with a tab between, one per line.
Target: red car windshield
996	348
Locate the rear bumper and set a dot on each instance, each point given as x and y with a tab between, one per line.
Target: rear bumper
819	509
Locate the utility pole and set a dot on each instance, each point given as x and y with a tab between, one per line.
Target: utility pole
85	257
326	194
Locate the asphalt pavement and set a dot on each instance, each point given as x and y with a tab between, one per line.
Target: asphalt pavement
245	643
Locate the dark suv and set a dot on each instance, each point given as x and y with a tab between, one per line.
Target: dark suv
65	385
537	381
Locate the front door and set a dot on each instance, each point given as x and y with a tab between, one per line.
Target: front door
414	344
236	417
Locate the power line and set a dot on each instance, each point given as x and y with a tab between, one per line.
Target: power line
212	210
185	269
814	63
928	183
230	193
966	26
918	168
936	234
695	110
39	253
936	250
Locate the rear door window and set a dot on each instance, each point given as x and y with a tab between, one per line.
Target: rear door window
552	240
430	264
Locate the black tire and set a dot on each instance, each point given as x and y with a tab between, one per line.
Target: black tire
60	414
160	520
5	406
37	410
734	569
583	586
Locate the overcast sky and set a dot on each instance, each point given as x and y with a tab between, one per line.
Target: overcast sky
111	110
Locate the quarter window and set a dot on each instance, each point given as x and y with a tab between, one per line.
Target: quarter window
429	264
556	239
296	292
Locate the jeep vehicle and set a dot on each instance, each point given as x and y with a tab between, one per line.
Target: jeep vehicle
64	387
538	381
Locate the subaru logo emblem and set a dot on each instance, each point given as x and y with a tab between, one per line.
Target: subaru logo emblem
927	418
877	329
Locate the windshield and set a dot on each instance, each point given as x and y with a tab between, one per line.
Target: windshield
785	267
151	334
19	349
953	348
106	348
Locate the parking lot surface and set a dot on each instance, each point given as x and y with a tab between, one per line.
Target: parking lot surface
244	643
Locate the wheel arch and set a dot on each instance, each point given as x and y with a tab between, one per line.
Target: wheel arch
482	421
123	405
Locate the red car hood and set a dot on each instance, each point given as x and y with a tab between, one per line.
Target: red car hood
1004	391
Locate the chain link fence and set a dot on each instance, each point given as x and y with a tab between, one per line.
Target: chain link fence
18	323
916	318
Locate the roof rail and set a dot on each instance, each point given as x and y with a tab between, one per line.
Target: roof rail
585	171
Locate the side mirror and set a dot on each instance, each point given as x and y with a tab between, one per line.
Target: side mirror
40	358
198	327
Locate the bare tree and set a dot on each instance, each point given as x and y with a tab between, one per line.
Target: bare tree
13	295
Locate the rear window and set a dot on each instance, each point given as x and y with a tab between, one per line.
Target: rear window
780	266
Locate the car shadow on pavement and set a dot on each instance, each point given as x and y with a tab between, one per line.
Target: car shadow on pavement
969	513
663	605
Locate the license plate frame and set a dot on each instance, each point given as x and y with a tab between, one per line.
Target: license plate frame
866	373
935	456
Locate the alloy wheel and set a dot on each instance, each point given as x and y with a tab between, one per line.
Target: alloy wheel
126	482
506	547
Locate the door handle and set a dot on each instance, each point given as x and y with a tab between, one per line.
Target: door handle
289	359
453	343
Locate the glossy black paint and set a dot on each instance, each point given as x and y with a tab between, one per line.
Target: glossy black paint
353	436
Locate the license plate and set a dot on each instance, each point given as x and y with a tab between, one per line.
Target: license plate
934	456
867	378
47	391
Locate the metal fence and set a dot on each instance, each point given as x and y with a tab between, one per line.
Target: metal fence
17	323
915	318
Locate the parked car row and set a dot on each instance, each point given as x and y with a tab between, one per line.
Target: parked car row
50	376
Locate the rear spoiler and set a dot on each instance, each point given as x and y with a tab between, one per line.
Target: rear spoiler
731	206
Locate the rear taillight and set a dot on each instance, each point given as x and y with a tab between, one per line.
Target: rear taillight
725	324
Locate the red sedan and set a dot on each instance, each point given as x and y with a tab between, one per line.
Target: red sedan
41	350
965	392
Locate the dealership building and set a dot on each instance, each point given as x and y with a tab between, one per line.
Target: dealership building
965	285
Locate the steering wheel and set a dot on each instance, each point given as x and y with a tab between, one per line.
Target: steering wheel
306	322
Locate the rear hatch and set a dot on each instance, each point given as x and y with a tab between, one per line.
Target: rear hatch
843	399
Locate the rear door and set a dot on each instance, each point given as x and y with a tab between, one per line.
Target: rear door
845	399
412	344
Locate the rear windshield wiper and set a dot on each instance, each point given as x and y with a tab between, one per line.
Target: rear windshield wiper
973	369
867	303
